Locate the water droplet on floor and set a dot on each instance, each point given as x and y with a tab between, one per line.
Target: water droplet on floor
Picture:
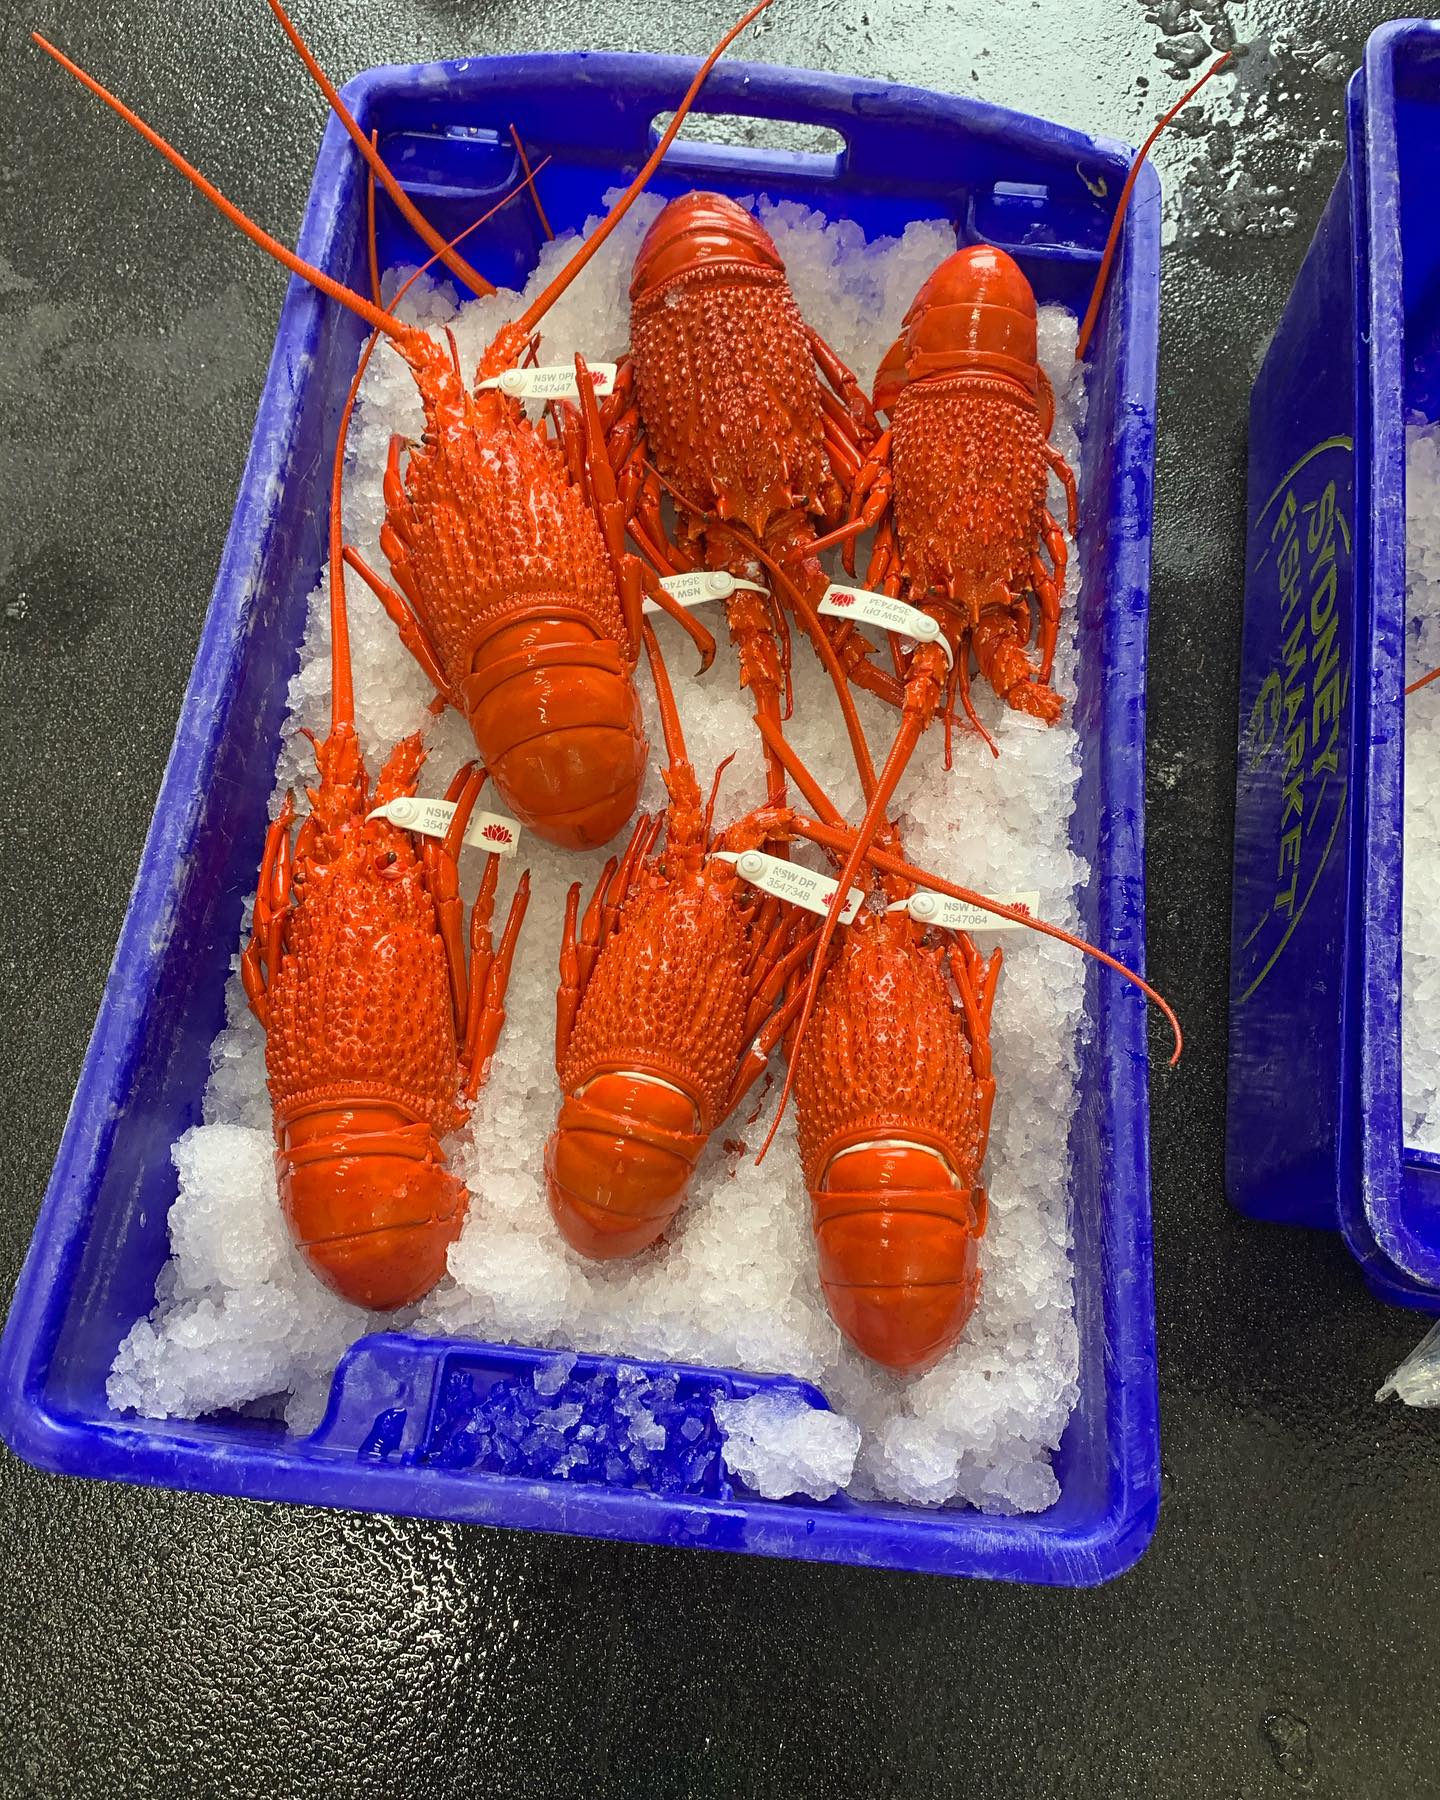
1288	1736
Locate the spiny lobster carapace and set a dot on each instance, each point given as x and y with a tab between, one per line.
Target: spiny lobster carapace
521	603
739	409
376	1034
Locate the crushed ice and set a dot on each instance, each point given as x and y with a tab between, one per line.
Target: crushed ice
778	1444
624	1427
237	1314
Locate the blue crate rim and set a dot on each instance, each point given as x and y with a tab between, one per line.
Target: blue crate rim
954	1542
1395	1256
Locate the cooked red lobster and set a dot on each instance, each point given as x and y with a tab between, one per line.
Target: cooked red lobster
733	404
523	608
666	1011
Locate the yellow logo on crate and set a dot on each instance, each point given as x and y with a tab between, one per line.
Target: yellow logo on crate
1295	742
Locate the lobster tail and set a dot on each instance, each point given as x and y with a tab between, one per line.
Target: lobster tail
561	727
369	1201
542	303
899	1250
619	1162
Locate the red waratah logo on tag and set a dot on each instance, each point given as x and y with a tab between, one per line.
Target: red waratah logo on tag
1021	908
498	834
597	377
842	599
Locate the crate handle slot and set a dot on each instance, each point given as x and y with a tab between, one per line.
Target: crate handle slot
741	142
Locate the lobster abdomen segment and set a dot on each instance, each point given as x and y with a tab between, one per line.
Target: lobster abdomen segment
369	1200
619	1162
899	1252
558	722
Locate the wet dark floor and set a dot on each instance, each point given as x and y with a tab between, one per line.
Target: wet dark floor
1283	1633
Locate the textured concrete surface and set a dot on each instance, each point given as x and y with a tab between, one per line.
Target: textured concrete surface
1283	1633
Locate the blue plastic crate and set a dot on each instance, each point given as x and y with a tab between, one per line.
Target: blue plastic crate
1314	1131
101	1238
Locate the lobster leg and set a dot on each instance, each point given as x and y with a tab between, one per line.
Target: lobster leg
1048	588
622	437
620	402
630	572
568	994
581	939
756	1057
774	973
261	958
482	952
845	385
442	866
487	1015
1067	480
967	700
997	641
569	432
412	634
842	455
614	890
869	499
975	982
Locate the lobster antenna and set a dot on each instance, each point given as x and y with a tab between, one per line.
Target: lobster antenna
819	637
372	242
342	680
1424	681
327	284
519	143
411	213
834	834
811	791
831	838
1097	293
538	307
342	684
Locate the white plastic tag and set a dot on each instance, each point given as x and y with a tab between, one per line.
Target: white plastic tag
879	609
551	381
789	881
949	914
700	585
431	818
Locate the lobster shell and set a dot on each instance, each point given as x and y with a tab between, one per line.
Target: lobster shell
501	559
893	1122
647	1073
